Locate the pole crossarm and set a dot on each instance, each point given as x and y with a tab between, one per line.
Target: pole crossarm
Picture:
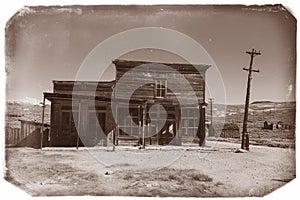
253	52
253	70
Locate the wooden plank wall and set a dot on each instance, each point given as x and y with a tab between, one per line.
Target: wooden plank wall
15	135
12	136
137	78
103	89
70	138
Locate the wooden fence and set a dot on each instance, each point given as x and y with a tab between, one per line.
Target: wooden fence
14	136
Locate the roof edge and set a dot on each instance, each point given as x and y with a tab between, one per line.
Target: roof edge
68	81
120	61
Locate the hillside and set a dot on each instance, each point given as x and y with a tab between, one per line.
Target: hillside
24	111
259	112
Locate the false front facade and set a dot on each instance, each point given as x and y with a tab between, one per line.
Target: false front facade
147	103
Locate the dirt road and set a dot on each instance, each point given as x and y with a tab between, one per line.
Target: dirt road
215	170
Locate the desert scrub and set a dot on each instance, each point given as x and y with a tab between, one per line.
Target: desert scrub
201	177
169	174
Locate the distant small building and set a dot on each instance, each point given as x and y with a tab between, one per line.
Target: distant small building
268	126
230	130
65	113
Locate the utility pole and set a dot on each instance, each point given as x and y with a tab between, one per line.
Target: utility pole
211	130
245	135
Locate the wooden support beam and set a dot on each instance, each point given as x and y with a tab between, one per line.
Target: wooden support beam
177	122
114	136
42	126
157	125
144	124
202	126
117	128
79	125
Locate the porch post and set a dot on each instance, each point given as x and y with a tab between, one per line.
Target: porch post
79	124
116	132
42	127
177	124
144	123
202	137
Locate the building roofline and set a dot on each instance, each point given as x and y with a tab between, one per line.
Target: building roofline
36	123
71	82
133	63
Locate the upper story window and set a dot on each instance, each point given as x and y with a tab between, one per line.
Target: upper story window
160	88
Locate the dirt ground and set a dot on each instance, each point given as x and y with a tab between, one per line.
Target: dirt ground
215	170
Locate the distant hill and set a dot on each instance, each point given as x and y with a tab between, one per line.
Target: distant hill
260	102
271	102
24	111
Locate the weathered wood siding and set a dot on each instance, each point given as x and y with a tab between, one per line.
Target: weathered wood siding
63	131
28	135
55	122
12	136
64	116
103	89
137	78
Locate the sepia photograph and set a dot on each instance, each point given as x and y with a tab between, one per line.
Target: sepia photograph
150	100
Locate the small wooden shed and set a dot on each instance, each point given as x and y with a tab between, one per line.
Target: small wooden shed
230	130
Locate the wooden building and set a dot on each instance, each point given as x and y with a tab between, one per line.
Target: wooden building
84	105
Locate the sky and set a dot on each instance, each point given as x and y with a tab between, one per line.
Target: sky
50	43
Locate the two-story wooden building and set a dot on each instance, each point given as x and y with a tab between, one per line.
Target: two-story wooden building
94	108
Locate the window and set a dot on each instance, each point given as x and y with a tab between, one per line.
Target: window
160	88
129	124
190	121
